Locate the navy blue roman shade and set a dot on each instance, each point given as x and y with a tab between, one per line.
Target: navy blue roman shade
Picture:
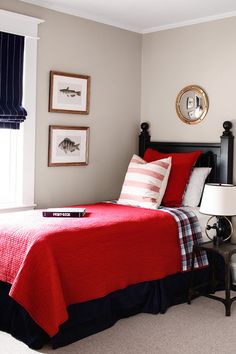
11	80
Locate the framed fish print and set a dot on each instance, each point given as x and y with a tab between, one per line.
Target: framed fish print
69	93
68	146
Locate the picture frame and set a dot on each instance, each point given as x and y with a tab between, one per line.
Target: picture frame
69	93
68	145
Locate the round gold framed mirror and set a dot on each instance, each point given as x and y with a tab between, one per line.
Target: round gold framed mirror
192	104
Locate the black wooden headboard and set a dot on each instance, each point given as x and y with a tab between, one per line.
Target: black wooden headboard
218	156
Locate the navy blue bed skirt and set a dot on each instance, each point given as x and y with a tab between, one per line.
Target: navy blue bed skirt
94	316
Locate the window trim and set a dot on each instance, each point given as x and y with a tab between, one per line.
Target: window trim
16	23
27	26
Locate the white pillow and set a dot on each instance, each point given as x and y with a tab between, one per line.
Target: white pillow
193	193
145	183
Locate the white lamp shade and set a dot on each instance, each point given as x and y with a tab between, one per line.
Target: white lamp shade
219	199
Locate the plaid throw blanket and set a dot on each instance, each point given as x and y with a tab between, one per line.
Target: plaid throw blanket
189	235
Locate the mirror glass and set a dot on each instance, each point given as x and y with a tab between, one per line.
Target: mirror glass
192	104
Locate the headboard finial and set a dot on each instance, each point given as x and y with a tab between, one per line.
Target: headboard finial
144	138
227	125
226	153
144	127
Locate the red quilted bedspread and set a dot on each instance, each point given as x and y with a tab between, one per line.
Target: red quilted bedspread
55	262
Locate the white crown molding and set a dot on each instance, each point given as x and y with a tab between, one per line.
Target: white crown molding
74	12
190	22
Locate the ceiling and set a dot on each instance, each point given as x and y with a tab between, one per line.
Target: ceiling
144	16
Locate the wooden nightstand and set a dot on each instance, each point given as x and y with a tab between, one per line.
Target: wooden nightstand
226	250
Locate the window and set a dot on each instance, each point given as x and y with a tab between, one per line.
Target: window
11	166
17	147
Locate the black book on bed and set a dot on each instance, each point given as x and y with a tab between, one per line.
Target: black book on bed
64	212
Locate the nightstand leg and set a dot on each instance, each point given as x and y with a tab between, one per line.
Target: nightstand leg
213	279
227	286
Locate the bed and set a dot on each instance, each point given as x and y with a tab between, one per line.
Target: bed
153	294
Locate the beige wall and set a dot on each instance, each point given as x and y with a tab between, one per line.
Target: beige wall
203	54
113	59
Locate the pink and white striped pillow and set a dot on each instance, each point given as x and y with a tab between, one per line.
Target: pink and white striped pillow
145	183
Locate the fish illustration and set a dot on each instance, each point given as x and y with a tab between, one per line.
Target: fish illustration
68	145
70	93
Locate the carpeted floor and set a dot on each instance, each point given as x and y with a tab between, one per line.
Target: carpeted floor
201	328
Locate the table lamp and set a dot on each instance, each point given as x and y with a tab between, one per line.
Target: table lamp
219	200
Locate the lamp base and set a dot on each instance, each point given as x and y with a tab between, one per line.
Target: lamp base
217	241
223	228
